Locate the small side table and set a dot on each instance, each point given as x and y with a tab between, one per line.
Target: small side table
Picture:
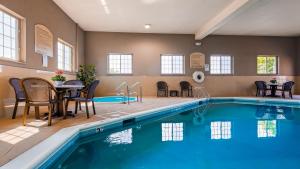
174	93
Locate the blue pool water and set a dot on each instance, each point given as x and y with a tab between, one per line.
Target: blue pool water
114	99
222	136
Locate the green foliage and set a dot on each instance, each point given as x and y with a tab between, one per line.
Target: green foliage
266	64
87	74
59	76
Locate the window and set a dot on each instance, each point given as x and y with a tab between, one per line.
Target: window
267	64
9	34
221	64
172	131
120	64
220	130
122	137
266	128
64	56
172	64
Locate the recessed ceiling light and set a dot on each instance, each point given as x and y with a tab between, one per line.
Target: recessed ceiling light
147	26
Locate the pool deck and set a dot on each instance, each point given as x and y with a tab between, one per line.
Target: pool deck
16	139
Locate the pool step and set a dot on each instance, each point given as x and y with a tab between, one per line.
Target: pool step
128	122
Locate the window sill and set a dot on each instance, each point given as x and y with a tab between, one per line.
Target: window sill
119	74
12	61
172	74
220	74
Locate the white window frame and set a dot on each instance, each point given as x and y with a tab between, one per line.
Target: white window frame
221	65
20	36
172	73
119	73
64	43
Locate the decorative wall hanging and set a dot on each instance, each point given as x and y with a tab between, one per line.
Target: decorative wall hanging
43	43
197	60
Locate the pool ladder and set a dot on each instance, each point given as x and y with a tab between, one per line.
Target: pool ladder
125	90
201	91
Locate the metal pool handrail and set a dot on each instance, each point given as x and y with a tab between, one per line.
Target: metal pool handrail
135	89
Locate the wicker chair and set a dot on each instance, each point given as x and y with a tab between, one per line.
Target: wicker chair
39	92
162	89
186	87
19	93
73	93
88	97
261	88
287	87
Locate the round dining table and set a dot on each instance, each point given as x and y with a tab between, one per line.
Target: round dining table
61	93
273	88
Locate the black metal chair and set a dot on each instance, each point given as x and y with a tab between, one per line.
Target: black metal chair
287	87
261	88
87	97
39	92
19	93
73	93
186	87
162	89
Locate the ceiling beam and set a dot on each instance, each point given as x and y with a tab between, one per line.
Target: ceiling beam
221	18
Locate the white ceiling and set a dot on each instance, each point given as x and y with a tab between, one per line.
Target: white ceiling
267	18
165	16
200	17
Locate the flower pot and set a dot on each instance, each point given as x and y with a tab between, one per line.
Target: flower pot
58	83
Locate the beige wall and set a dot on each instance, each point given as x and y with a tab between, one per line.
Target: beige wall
220	86
47	13
147	48
44	12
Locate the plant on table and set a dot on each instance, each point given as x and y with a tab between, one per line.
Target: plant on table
87	74
59	78
273	80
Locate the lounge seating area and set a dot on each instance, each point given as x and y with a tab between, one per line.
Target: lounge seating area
107	83
272	89
37	92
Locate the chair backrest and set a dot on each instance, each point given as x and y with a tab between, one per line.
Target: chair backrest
91	89
16	84
261	85
37	89
161	85
288	85
185	85
74	92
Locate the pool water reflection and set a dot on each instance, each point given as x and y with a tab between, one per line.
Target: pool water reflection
229	136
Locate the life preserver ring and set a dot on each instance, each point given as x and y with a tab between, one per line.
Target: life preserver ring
198	76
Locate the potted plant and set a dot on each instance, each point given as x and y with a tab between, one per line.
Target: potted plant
59	78
87	74
273	80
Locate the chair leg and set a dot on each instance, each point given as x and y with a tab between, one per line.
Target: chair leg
291	95
15	109
80	106
76	106
87	110
26	110
37	112
283	94
67	105
49	115
94	107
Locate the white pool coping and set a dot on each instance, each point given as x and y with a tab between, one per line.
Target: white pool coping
33	157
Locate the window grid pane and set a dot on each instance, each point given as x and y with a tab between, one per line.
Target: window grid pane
120	64
172	64
220	65
64	56
266	64
8	36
